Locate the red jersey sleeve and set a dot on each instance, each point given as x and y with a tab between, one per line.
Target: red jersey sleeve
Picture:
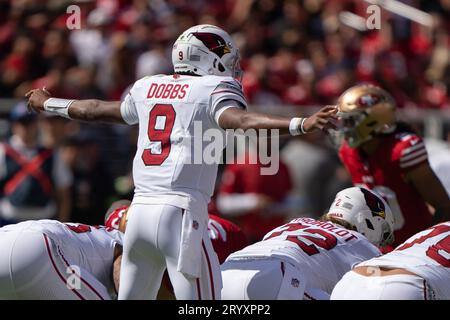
409	152
226	237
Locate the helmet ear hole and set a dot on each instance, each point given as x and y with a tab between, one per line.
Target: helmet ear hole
369	224
221	67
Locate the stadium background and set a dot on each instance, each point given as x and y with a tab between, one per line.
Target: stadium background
297	56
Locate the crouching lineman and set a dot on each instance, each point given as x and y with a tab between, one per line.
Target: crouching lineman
47	259
418	269
305	258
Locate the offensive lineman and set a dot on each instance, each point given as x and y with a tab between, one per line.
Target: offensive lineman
50	260
168	216
418	269
305	258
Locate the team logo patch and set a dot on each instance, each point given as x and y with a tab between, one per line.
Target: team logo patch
213	42
295	282
195	224
375	205
368	100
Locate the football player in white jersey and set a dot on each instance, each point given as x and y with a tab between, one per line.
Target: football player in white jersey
305	258
418	269
168	221
50	260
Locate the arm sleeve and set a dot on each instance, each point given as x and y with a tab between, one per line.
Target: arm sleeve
410	152
228	93
224	105
128	110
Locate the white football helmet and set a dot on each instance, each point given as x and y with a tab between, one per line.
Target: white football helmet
206	50
367	212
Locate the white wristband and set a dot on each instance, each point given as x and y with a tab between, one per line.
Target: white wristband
58	106
295	126
302	128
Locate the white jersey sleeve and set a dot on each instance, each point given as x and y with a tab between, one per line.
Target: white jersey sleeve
128	106
228	89
426	254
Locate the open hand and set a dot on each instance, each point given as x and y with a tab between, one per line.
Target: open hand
36	99
322	119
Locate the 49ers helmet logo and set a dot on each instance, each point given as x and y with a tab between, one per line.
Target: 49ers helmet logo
368	100
213	42
374	204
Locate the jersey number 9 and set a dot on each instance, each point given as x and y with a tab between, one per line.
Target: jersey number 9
160	125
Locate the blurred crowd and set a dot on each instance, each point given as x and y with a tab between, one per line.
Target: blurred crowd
293	52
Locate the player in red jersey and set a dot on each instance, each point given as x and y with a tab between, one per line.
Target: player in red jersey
226	237
390	158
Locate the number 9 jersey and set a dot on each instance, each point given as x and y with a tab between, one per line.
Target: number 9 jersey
178	119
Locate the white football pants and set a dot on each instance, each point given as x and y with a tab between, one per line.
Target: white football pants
261	279
152	244
34	267
354	286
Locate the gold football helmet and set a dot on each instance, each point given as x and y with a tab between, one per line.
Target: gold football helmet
365	111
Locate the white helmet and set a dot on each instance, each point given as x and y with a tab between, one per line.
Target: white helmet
367	212
206	50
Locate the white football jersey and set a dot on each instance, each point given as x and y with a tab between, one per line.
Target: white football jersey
426	254
322	250
174	112
89	247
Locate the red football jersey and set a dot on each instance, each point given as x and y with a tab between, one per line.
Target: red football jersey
384	171
226	237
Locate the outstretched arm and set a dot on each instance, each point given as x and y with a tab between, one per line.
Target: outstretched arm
236	118
85	110
431	189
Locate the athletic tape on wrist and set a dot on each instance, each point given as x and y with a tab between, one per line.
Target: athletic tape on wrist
58	106
295	126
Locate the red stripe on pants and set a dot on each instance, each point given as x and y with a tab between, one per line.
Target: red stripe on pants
211	279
